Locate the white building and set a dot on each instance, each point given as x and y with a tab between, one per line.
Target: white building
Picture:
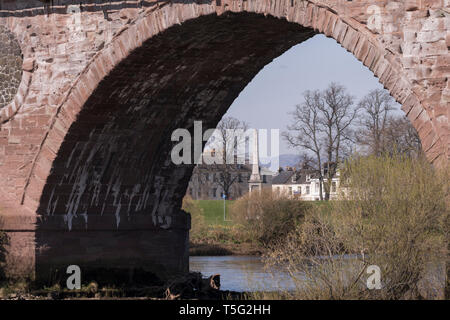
303	184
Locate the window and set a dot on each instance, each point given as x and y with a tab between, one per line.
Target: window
290	190
317	187
299	190
278	190
333	186
239	177
307	189
214	192
206	176
264	178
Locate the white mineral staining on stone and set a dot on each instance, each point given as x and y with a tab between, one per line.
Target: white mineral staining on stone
142	201
117	200
85	216
167	223
135	191
51	206
81	175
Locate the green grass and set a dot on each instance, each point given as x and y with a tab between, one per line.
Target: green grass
213	211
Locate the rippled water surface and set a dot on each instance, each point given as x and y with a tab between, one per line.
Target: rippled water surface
240	273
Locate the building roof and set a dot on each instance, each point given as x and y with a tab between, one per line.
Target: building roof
285	177
282	177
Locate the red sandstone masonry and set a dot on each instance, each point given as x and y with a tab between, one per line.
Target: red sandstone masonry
408	52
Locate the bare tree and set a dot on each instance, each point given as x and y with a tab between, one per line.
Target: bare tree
376	107
401	137
321	126
226	142
381	132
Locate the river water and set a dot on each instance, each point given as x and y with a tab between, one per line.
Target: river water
247	273
240	273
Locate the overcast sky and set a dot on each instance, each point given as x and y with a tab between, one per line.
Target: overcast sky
278	87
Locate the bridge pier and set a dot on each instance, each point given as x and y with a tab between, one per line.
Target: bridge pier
41	248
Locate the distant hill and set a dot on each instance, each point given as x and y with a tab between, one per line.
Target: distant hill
290	160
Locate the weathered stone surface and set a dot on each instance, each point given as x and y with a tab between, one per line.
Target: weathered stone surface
10	66
86	138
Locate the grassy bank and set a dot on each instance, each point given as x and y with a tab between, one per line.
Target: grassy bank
251	224
213	211
212	235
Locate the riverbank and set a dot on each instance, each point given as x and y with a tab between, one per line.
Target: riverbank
213	235
224	249
192	286
219	232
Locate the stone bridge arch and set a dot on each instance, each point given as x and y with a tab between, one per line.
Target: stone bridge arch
103	161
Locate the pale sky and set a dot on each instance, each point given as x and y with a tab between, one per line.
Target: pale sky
278	87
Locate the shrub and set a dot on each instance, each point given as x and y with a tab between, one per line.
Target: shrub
394	214
267	216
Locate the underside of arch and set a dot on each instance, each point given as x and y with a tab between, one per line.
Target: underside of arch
115	158
113	170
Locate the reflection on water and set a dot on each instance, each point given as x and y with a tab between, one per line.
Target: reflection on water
241	273
247	273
